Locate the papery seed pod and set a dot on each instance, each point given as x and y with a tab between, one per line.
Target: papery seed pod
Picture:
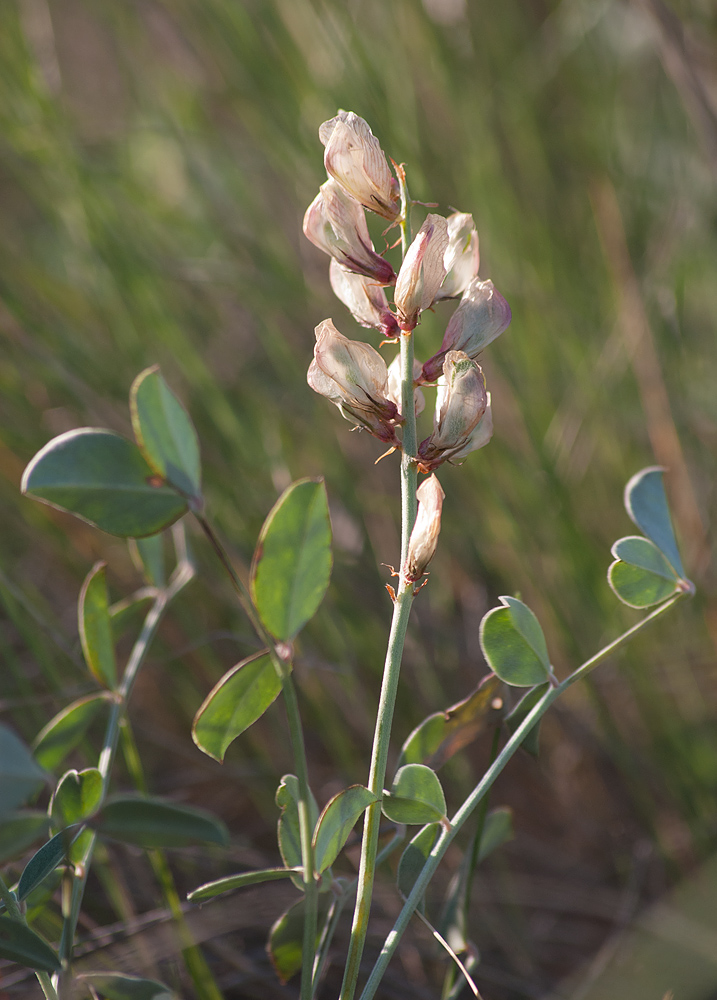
394	385
479	436
336	224
422	271
364	297
424	537
460	404
462	257
483	314
354	377
353	157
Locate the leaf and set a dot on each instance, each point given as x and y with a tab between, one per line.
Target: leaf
416	796
152	822
96	628
414	857
120	986
337	820
20	775
497	830
78	795
443	734
641	575
129	614
513	644
102	478
212	889
292	562
286	937
524	707
235	703
46	860
20	830
165	433
19	944
289	834
148	556
62	734
646	506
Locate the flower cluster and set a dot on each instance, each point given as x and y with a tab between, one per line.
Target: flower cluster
441	262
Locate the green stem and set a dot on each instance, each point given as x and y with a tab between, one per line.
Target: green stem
182	575
299	752
486	783
394	652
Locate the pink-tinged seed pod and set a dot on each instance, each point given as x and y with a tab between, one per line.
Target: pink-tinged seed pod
364	297
462	257
424	537
394	385
354	377
461	402
336	224
483	314
353	157
422	271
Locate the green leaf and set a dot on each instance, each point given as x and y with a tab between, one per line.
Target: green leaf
443	734
289	834
152	822
638	551
646	505
524	707
20	775
78	795
120	986
46	860
20	830
19	944
513	644
129	615
292	562
638	587
212	889
336	822
148	556
416	796
235	703
96	628
497	830
102	478
62	734
165	434
286	937
414	857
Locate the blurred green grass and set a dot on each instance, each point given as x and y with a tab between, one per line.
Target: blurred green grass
156	159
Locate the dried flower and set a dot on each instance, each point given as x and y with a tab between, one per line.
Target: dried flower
354	377
364	297
422	271
336	224
461	402
394	385
353	157
462	256
424	537
483	314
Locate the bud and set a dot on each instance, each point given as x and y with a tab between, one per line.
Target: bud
422	271
462	256
424	537
354	377
483	314
364	297
336	224
461	402
354	158
394	385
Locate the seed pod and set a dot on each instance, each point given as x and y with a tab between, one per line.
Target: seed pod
364	297
462	256
354	158
460	405
424	537
422	271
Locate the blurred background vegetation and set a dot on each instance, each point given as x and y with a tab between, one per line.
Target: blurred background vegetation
156	158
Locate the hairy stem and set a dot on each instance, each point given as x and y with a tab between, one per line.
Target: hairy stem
486	783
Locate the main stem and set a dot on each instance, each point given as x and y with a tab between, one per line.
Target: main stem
486	783
394	653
